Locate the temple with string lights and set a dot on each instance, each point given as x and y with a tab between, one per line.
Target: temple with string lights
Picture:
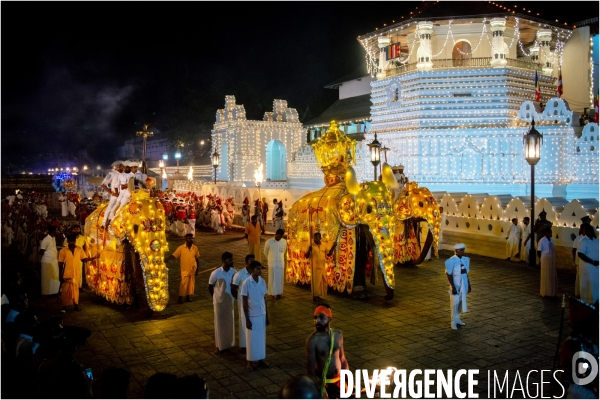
452	89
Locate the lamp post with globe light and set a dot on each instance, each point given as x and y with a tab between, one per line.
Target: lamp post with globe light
177	157
533	141
375	147
215	163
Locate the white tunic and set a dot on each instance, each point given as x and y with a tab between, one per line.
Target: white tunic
512	243
238	280
63	204
548	278
223	307
276	251
256	338
588	280
49	261
461	281
577	262
525	247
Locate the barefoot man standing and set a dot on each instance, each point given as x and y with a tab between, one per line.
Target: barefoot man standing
325	354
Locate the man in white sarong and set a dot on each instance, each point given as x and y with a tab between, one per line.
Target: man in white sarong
112	178
526	229
125	193
276	251
576	260
219	287
546	253
254	290
62	198
246	212
236	282
442	225
7	234
278	215
588	269
513	240
50	278
457	272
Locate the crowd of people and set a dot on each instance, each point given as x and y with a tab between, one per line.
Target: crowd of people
39	356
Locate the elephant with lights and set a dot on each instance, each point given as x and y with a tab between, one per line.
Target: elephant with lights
373	223
131	250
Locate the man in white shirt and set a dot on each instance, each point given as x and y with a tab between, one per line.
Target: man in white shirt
457	272
576	260
526	229
237	281
278	215
64	205
219	287
50	278
254	290
125	194
588	253
112	179
140	178
276	251
513	241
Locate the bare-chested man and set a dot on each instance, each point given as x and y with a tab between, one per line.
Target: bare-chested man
325	354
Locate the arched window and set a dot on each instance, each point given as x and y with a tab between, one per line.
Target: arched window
461	54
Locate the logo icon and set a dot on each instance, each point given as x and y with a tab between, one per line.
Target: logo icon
584	368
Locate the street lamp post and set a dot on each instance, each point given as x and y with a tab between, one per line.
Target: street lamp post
177	157
533	141
215	163
375	147
145	133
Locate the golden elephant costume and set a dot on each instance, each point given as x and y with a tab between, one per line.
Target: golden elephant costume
131	250
343	206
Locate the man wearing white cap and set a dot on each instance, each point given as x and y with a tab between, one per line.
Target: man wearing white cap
112	179
457	272
140	178
399	175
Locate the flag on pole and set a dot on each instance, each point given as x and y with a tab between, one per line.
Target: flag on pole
596	108
560	87
537	87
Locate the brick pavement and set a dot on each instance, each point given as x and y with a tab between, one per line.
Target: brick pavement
509	326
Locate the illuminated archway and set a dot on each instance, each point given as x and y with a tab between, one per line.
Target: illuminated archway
276	161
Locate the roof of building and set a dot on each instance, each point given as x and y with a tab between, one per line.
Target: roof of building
358	73
344	110
456	11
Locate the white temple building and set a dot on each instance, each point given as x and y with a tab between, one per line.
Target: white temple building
454	103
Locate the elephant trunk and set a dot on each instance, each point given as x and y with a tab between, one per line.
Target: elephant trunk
425	250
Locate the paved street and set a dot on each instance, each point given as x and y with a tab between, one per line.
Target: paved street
509	326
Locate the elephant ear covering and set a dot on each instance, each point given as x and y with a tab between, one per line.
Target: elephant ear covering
319	212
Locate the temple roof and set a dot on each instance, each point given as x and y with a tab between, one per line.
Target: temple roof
344	110
358	73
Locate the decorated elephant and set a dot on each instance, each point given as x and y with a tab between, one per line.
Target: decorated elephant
373	223
132	251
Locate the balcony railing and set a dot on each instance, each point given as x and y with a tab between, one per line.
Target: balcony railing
462	63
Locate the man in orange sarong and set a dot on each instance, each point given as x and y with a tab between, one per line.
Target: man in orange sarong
69	263
318	254
187	253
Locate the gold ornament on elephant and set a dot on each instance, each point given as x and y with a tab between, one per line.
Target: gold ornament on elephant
335	153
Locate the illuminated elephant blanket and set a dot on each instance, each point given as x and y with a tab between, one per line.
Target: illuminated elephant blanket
142	223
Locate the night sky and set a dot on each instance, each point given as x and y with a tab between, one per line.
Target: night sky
79	78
